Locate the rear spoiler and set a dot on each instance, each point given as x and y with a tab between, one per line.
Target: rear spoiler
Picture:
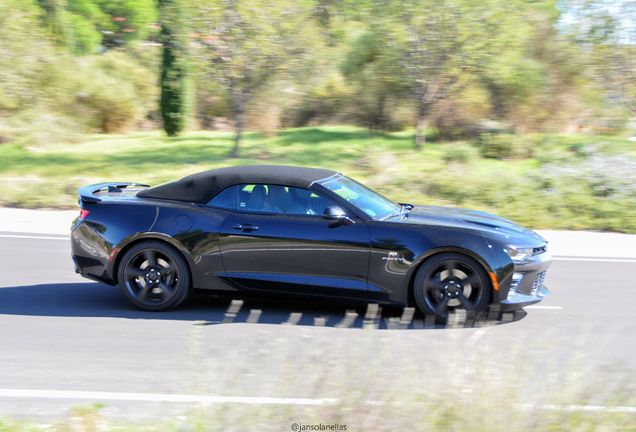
86	193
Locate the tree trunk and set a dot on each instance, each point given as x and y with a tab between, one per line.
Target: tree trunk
423	109
420	130
239	120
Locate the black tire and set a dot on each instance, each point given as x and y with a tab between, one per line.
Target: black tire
154	276
450	281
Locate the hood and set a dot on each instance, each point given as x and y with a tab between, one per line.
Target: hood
489	224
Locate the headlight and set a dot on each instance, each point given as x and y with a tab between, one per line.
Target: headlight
519	255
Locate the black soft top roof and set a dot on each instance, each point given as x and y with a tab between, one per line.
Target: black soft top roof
202	187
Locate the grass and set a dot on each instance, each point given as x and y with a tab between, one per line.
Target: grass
570	182
387	380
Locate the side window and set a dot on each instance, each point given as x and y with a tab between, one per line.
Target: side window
318	204
267	198
254	197
307	202
225	199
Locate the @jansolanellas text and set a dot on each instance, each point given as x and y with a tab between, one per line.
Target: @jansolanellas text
318	427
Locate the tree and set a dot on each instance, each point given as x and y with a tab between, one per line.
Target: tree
26	55
128	21
73	24
175	68
84	25
606	32
249	43
615	69
537	81
372	72
437	44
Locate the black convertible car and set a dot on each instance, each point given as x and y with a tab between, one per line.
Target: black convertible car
280	230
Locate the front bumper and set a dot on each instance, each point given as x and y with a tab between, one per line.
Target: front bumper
527	287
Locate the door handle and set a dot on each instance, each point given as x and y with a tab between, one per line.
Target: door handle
246	227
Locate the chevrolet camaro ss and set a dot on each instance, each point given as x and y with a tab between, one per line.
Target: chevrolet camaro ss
280	231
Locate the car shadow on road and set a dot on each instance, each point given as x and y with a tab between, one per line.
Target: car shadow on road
99	300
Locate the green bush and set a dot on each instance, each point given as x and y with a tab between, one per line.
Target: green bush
529	144
321	100
551	156
123	92
496	146
582	150
106	93
431	134
38	127
509	146
597	192
26	52
458	152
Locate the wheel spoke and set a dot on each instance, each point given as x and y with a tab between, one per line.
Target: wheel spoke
468	305
450	266
133	272
166	292
170	268
151	257
472	279
434	285
143	293
441	307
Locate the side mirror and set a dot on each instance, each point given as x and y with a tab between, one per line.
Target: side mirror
335	213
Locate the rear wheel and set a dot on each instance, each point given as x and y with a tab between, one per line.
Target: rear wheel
450	281
154	276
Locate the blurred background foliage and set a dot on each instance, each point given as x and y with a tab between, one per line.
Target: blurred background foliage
499	93
455	66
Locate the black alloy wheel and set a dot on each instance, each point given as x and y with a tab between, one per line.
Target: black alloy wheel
450	281
154	276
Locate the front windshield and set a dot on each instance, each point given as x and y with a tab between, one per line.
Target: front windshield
367	200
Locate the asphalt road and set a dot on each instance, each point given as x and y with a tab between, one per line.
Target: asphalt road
59	332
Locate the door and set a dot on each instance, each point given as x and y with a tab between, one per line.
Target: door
276	240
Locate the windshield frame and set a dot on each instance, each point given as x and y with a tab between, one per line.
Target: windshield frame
368	192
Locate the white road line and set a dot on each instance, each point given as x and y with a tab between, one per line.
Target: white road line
33	237
591	408
154	397
544	307
620	260
475	337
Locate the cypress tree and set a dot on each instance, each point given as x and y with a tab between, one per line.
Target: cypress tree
175	68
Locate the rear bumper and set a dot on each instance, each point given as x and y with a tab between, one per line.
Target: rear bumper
90	254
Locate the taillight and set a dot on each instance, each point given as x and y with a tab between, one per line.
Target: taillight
83	214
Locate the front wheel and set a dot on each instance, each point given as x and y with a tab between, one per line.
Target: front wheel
450	281
154	276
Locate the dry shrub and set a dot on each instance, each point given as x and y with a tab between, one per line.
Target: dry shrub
459	117
107	93
264	116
